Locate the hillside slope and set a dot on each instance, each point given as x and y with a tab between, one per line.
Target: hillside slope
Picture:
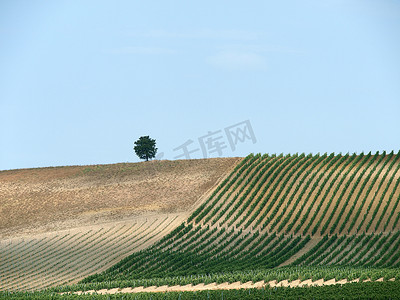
58	225
304	213
271	211
309	195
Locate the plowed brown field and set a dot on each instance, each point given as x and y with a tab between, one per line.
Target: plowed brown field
48	199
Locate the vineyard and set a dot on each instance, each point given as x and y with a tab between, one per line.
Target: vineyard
273	217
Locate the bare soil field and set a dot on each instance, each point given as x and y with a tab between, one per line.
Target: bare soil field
49	199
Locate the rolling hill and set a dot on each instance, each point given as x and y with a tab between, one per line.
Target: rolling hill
275	217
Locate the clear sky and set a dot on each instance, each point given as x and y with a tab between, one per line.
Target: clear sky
80	81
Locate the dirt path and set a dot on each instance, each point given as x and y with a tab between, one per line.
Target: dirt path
223	286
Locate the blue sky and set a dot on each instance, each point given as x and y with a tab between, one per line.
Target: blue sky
80	81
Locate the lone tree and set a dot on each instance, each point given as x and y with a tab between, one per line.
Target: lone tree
145	147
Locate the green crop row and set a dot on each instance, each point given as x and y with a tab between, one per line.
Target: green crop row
286	273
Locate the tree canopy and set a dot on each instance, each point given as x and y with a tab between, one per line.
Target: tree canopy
145	148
